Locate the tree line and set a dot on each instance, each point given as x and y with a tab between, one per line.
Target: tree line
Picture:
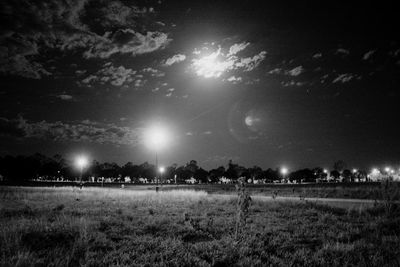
38	166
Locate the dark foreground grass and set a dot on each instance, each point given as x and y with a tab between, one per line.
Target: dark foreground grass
103	227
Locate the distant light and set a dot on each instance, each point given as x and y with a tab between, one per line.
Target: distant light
325	171
375	171
161	170
392	171
284	170
387	169
156	137
81	162
355	170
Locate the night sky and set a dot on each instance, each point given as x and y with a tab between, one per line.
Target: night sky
301	84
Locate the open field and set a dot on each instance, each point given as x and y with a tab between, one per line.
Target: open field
105	226
366	190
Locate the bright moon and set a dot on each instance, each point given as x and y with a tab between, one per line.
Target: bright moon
210	66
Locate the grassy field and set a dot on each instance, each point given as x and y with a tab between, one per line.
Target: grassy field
371	190
103	227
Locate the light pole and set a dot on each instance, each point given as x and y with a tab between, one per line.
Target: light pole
284	171
81	162
156	138
161	170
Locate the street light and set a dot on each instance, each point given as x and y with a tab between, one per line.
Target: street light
161	170
156	138
284	171
81	162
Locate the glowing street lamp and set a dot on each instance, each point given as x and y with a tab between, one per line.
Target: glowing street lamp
284	171
355	170
161	171
81	162
157	138
387	169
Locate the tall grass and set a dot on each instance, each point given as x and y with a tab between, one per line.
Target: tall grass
118	227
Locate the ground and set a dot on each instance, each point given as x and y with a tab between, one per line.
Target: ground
105	226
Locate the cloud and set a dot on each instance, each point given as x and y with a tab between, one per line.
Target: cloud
175	59
125	41
293	72
80	72
116	76
317	55
292	83
153	72
234	79
342	51
296	71
343	78
276	71
214	64
236	48
250	63
368	55
32	28
90	78
65	97
84	131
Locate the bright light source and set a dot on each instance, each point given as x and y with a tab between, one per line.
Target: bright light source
375	171
156	137
161	170
284	171
81	162
210	67
387	169
355	170
325	171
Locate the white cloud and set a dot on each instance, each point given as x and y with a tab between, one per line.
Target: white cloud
368	55
90	78
317	55
175	59
343	78
236	48
65	97
153	72
342	51
296	71
276	71
117	76
80	72
84	131
292	83
59	26
135	43
250	63
217	63
234	79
